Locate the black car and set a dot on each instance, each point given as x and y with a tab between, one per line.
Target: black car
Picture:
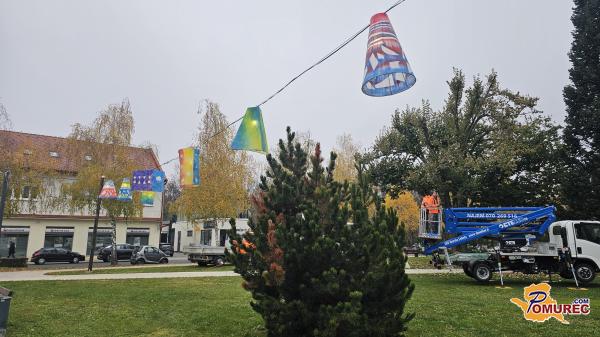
166	248
41	256
124	252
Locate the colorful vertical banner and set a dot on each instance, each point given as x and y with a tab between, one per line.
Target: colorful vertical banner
108	190
147	198
251	135
189	167
158	181
142	180
125	191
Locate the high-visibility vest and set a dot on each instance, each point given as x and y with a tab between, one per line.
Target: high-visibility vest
431	203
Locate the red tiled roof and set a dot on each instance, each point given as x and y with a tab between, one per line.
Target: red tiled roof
41	146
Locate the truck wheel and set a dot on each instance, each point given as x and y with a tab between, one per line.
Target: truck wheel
466	269
585	272
219	262
482	272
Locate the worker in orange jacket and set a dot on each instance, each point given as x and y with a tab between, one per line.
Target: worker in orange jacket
432	204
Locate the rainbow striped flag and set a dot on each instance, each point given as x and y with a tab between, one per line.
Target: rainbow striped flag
189	167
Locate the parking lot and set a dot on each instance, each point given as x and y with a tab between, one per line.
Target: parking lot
177	258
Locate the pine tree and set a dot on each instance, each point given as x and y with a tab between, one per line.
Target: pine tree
581	184
323	258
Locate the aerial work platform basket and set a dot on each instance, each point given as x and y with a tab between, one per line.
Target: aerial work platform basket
430	223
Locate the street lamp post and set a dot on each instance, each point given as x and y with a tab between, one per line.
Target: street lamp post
4	196
95	231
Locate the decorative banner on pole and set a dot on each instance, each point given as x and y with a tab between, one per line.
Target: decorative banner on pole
387	71
108	190
125	191
147	198
251	135
158	181
142	180
189	167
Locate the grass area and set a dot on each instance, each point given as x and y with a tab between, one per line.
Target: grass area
445	305
125	270
421	262
9	269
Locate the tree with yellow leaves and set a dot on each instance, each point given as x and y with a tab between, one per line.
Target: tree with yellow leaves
346	150
225	174
408	213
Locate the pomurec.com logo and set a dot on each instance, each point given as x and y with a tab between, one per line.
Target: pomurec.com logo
539	306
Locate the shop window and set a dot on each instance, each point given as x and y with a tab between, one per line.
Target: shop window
20	241
103	239
56	241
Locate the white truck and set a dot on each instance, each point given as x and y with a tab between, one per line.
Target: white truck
531	241
571	248
205	255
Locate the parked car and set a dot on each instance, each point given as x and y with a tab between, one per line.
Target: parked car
148	254
166	248
43	255
413	250
124	251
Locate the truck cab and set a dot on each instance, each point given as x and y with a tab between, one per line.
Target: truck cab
583	241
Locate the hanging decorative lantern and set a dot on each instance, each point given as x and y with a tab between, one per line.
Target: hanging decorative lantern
125	190
251	135
142	180
158	181
108	190
189	167
147	198
387	71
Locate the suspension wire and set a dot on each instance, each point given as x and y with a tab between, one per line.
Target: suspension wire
321	60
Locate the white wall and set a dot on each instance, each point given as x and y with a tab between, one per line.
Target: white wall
37	231
184	226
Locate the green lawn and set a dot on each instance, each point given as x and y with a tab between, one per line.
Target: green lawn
421	262
446	305
124	270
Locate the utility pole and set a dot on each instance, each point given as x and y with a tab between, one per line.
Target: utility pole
95	231
4	196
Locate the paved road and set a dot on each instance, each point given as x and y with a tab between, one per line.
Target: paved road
177	258
39	275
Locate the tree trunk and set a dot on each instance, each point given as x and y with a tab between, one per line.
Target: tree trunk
114	259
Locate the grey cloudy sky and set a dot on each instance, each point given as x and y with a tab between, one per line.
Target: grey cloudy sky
63	61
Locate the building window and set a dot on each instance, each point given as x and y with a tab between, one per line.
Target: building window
58	238
18	235
190	234
53	154
206	237
28	192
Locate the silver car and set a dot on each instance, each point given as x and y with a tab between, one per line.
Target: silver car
148	254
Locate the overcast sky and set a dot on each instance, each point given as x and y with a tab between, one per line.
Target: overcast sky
61	62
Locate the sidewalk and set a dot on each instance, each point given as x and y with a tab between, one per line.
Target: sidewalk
39	275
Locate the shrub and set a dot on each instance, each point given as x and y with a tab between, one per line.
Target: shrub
322	258
18	262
